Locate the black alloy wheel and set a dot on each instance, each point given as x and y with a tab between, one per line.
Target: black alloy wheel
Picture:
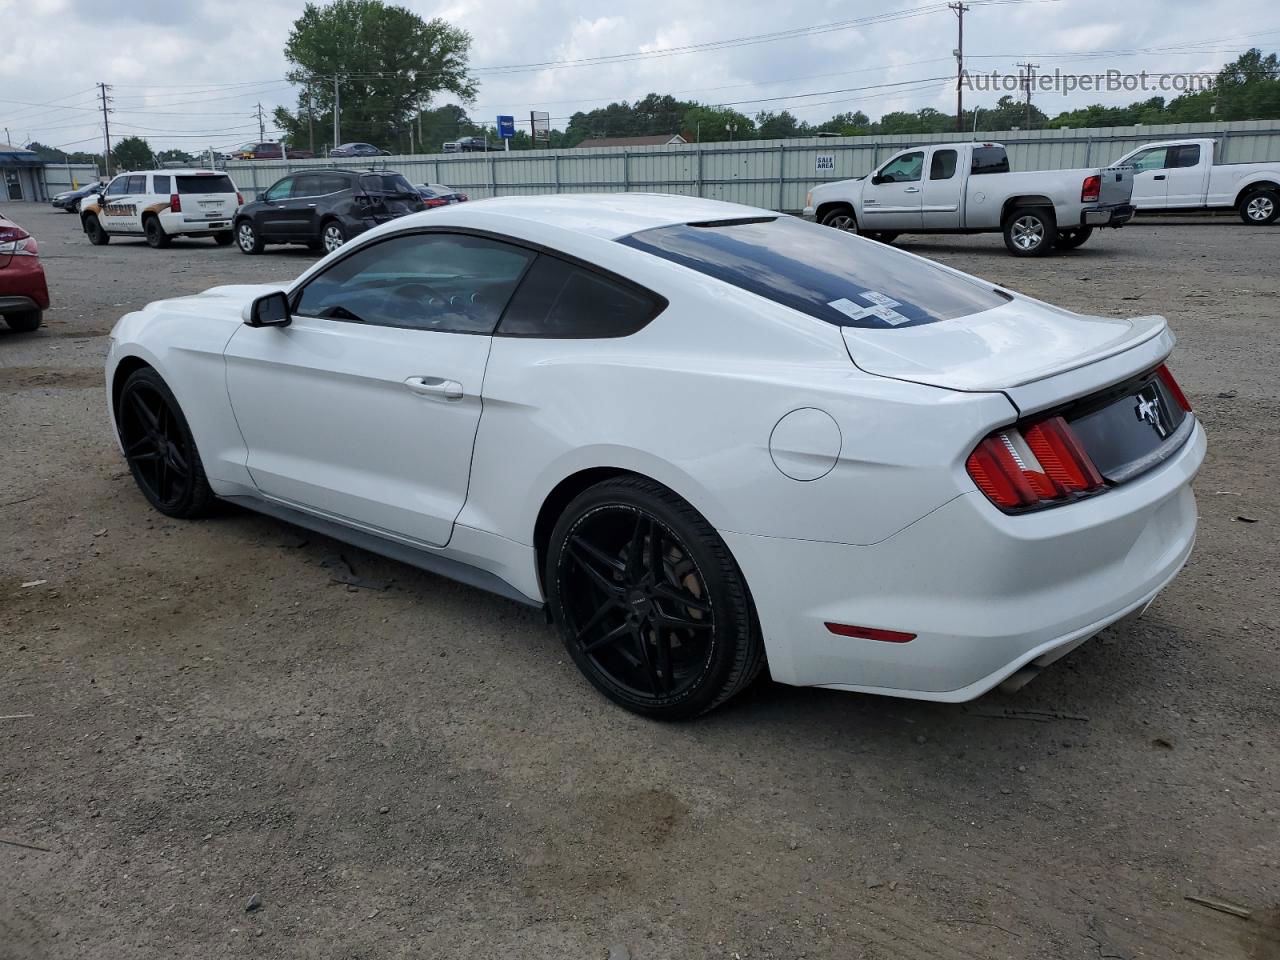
159	447
649	603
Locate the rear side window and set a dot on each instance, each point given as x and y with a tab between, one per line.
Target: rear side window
943	165
330	183
213	183
388	183
138	183
828	274
989	160
160	184
561	301
1187	155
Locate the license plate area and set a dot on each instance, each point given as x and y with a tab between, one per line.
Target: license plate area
1130	429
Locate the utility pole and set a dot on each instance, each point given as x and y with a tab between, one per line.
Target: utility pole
262	130
106	127
311	132
1026	79
959	9
337	112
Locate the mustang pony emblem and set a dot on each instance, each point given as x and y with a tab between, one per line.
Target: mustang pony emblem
1148	409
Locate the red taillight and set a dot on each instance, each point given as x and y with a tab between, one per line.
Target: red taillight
462	197
175	203
10	234
1032	466
435	202
239	199
870	633
1091	188
1170	384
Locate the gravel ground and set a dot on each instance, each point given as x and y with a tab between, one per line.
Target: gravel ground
421	772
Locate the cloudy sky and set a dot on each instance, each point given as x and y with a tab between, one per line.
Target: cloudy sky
189	73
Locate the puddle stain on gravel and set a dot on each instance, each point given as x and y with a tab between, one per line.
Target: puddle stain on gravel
15	379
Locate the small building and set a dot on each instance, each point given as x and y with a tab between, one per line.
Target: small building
22	173
660	140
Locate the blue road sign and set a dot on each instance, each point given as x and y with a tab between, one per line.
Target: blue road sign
506	127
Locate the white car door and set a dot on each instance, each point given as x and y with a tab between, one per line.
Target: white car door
120	210
942	191
1184	176
891	198
364	408
1150	178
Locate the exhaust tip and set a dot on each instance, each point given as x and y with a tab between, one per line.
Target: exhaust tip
1019	679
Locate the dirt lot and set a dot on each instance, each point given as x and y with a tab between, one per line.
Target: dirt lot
420	772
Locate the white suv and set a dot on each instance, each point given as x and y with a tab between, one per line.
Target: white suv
162	204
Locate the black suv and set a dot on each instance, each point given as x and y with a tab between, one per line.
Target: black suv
323	208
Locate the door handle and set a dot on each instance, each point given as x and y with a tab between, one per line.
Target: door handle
1158	177
310	204
911	190
436	387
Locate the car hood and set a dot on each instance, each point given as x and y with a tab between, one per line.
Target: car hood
227	300
1011	346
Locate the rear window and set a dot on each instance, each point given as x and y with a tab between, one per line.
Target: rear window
214	183
990	160
828	274
389	183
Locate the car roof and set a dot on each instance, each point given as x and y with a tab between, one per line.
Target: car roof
176	172
604	215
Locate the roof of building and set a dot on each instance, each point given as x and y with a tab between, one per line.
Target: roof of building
659	140
12	155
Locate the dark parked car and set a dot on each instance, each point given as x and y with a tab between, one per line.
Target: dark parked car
270	150
438	195
358	150
323	208
69	200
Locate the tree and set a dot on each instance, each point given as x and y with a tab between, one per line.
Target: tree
708	124
778	126
132	153
390	63
174	156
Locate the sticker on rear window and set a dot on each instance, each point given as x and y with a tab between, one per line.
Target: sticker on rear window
879	299
854	311
889	315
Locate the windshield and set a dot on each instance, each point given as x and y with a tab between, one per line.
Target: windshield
388	183
208	183
828	274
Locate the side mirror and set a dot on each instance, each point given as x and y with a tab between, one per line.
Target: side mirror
268	310
878	179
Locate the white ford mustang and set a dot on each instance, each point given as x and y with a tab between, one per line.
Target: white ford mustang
706	436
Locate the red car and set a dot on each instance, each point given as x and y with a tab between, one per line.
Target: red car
24	294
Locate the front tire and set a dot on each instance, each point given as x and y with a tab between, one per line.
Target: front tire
1070	239
247	238
332	236
159	447
157	239
649	602
1030	232
841	218
1260	207
94	231
24	321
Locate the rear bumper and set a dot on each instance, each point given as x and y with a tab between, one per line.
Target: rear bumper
24	286
985	593
1114	215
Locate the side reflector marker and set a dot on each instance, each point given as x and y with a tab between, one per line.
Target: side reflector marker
870	633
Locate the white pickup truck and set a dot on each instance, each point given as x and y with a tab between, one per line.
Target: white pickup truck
1181	175
967	188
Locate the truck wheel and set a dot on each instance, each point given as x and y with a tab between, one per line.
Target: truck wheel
841	218
879	237
23	321
1030	232
1070	239
93	230
1259	207
157	239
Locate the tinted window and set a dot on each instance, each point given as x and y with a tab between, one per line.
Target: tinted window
989	160
161	184
119	187
280	190
427	281
388	183
561	301
206	183
943	165
1184	156
904	169
828	274
306	185
331	183
138	183
1153	159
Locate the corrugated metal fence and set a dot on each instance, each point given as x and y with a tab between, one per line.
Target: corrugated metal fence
63	176
774	174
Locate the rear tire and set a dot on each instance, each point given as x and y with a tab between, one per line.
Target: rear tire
1070	239
649	602
841	218
157	239
247	238
94	231
1259	207
24	321
160	449
224	238
882	237
1030	232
